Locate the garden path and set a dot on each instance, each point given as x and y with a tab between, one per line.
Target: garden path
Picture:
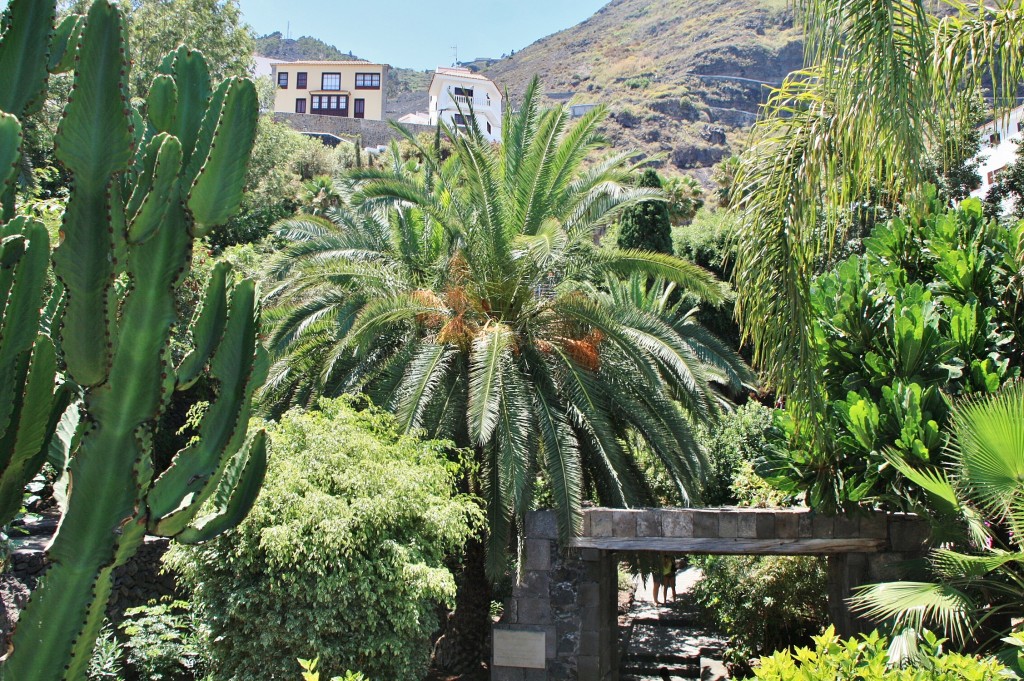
660	642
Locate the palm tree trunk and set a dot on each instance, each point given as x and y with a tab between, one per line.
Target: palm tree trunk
463	646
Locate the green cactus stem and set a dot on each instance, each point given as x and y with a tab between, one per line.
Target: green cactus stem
139	198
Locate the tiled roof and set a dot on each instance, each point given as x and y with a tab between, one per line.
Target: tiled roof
339	63
461	73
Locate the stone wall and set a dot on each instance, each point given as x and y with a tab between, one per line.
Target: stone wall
569	597
137	582
373	133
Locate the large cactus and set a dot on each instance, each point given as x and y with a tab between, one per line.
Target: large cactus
143	191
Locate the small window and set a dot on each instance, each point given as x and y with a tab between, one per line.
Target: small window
300	105
300	80
458	119
488	127
358	108
368	81
995	138
330	81
1020	126
282	80
464	92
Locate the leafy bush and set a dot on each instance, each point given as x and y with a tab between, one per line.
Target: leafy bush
930	311
706	241
866	658
105	664
742	436
342	554
164	643
763	604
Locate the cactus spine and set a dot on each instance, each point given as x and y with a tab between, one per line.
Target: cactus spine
142	192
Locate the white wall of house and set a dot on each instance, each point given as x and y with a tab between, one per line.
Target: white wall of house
449	101
998	147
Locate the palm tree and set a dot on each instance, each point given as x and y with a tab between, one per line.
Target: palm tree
888	81
981	500
468	300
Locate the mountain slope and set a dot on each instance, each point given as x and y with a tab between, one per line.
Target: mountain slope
682	78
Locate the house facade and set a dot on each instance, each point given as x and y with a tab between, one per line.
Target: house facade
457	93
998	147
348	89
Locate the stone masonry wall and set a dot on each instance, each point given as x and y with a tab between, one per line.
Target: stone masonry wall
135	583
373	133
570	596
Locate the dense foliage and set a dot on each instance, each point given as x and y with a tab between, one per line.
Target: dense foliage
342	556
930	311
867	658
164	642
647	226
976	590
763	604
738	438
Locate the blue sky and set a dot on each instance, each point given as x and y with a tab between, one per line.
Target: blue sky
416	33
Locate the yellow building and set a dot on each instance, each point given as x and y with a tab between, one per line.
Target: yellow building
353	89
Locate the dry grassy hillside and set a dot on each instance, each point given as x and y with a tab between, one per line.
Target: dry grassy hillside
682	78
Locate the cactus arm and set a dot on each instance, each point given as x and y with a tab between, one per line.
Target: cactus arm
20	321
204	137
24	53
236	493
65	40
85	259
36	414
188	67
239	366
10	156
157	201
207	327
217	190
162	103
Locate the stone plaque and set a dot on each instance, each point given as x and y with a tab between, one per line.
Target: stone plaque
524	649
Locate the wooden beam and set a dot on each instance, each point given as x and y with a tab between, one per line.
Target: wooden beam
736	546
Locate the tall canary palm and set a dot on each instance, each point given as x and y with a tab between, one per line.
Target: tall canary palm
981	493
887	80
469	300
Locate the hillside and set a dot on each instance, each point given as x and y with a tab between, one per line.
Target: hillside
682	78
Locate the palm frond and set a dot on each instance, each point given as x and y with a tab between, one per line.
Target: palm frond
485	375
918	604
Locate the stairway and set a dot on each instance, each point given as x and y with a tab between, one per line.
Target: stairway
667	642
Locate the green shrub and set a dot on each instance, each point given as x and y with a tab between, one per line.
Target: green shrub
342	555
743	435
105	664
763	604
164	642
866	658
646	225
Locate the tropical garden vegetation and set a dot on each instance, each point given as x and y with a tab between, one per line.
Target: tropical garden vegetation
450	343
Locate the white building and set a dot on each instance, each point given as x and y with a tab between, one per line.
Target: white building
456	91
998	147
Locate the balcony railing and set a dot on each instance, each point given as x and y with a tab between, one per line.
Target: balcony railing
476	102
